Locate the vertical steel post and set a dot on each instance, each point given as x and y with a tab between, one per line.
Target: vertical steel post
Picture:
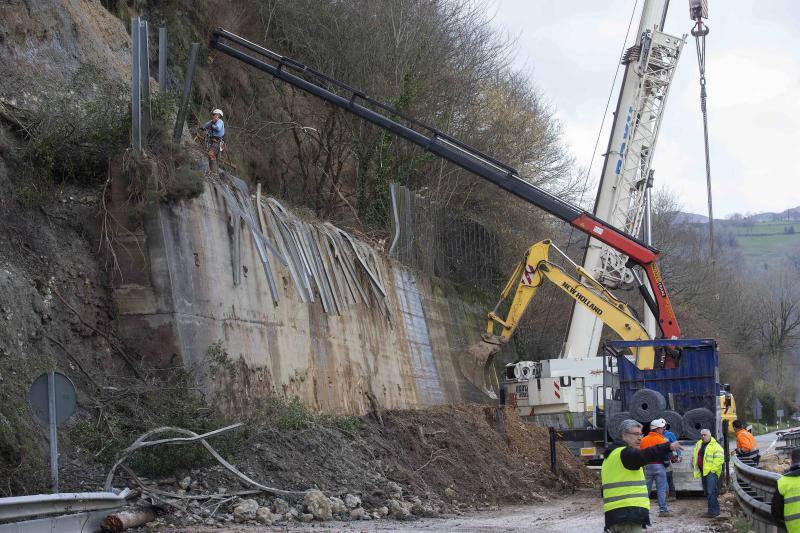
162	61
727	455
187	88
144	65
553	458
136	103
51	411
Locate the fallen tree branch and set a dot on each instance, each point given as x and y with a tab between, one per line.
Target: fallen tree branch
141	443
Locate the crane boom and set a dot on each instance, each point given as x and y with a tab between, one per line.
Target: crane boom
462	155
650	67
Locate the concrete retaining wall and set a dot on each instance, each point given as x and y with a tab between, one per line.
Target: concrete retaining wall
177	297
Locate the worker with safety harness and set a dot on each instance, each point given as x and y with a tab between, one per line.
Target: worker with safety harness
626	502
786	500
215	141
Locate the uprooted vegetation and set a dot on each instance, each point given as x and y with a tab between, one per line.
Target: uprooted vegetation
421	462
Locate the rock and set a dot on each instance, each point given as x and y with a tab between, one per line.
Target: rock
450	492
383	512
376	515
185	483
318	504
352	501
399	510
306	517
337	505
394	491
264	516
280	506
245	510
210	522
357	513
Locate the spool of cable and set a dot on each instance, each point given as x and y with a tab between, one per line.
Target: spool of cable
647	404
697	419
615	423
674	422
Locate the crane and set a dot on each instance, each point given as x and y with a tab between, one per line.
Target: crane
483	165
627	174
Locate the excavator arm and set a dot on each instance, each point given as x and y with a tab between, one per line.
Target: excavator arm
528	276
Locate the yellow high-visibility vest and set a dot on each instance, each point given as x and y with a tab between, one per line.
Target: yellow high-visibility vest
622	487
789	488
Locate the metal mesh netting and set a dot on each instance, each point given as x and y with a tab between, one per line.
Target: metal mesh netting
674	422
697	419
615	423
647	404
442	242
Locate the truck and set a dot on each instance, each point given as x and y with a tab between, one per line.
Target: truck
693	396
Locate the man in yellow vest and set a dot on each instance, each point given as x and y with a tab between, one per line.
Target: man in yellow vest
707	460
786	501
625	500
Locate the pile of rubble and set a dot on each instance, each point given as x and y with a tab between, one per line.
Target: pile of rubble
220	509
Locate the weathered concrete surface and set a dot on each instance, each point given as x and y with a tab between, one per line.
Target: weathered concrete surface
177	297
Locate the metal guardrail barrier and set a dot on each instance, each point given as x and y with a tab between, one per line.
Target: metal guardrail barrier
754	488
63	511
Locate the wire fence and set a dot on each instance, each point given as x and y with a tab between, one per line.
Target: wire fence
440	241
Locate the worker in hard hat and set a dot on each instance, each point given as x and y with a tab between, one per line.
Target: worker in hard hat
655	471
216	139
707	460
626	503
746	447
786	500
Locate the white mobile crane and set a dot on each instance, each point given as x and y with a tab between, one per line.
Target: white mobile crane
627	175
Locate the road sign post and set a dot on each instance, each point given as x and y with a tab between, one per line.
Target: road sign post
52	398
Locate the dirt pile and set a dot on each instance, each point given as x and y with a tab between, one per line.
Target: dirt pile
397	463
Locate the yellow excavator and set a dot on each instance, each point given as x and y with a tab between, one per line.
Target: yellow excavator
477	364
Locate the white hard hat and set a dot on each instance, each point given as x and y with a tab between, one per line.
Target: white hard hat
658	423
218	112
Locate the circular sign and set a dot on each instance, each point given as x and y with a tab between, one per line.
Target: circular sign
65	398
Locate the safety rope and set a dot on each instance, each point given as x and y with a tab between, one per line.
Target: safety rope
699	32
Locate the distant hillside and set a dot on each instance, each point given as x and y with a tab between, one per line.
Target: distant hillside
764	245
690	218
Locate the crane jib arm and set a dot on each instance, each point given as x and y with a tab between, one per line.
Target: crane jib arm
459	154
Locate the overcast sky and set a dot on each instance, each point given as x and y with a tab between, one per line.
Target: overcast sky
571	48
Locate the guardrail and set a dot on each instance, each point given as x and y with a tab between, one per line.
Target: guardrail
754	488
790	438
72	511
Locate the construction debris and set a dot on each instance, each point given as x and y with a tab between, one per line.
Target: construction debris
323	261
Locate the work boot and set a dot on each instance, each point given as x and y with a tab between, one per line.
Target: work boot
662	514
671	497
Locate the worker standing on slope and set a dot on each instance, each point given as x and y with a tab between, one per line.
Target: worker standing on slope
216	139
707	460
655	471
626	503
746	447
786	500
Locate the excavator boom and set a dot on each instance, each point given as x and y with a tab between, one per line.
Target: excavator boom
528	276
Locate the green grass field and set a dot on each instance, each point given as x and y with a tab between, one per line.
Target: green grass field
766	242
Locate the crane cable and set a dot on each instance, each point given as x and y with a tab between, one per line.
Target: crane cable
699	33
